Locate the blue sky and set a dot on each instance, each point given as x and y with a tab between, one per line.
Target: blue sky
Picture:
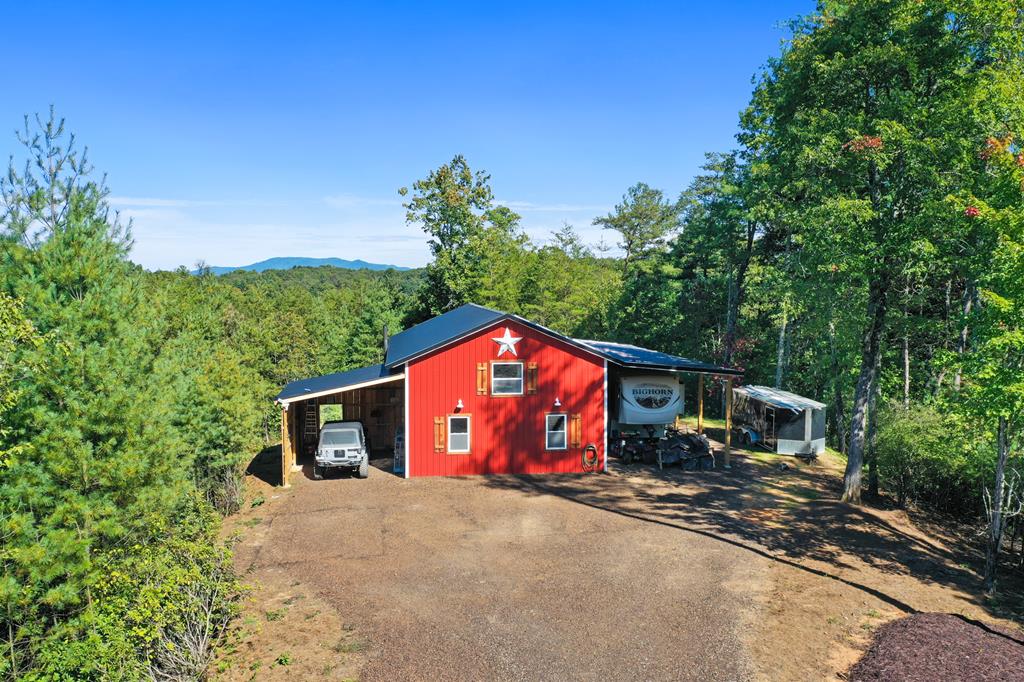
242	131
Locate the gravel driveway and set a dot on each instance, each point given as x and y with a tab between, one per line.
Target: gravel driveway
516	578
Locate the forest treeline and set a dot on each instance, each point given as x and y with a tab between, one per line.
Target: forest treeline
862	245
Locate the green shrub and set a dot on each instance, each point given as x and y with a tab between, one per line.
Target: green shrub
926	455
156	611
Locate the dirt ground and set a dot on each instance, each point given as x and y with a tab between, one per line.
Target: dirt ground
758	572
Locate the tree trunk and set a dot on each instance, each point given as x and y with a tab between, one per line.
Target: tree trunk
730	323
961	344
737	289
870	354
995	526
906	371
872	435
839	412
906	346
780	351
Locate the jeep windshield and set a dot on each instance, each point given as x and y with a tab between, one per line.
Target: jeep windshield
340	438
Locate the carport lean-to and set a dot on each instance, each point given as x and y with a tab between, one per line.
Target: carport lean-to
368	394
479	391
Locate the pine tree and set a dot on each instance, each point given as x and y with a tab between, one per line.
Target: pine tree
99	457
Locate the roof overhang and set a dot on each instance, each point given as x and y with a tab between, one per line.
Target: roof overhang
778	398
637	357
714	371
340	389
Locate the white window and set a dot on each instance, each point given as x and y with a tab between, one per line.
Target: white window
554	431
506	378
458	433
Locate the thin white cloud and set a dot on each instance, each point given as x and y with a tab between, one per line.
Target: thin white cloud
155	202
166	237
529	206
354	201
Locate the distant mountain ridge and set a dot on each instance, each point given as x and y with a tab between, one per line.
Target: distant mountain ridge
288	262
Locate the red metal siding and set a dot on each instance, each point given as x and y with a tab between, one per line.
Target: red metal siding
507	431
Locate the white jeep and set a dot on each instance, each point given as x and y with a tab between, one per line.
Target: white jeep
342	445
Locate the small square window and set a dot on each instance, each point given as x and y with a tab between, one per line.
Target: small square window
506	378
555	431
458	433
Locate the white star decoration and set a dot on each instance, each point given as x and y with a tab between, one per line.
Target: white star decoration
507	343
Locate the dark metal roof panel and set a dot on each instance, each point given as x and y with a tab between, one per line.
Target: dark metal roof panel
439	330
780	398
629	355
332	382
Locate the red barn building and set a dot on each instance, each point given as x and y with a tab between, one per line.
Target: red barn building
478	391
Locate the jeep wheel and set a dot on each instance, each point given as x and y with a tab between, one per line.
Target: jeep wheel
318	473
364	468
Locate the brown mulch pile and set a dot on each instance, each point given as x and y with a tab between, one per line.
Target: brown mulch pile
941	646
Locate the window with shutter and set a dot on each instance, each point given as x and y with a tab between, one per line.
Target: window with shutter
459	434
531	377
575	431
506	378
481	378
554	432
438	434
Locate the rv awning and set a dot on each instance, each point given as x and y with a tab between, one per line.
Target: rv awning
629	355
335	383
779	398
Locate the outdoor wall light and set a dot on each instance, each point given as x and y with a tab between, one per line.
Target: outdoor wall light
558	403
458	405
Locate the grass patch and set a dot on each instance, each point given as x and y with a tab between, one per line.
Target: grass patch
350	647
275	614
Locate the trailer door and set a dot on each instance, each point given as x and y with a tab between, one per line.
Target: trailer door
769	428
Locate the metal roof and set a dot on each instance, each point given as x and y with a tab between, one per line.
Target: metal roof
780	398
464	320
469	318
629	355
308	388
438	331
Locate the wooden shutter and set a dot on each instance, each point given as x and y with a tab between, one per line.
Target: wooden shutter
438	434
531	377
481	378
575	431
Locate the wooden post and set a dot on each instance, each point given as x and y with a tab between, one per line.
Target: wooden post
727	463
286	464
293	436
700	403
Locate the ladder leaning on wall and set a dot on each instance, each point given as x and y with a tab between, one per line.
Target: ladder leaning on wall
311	426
